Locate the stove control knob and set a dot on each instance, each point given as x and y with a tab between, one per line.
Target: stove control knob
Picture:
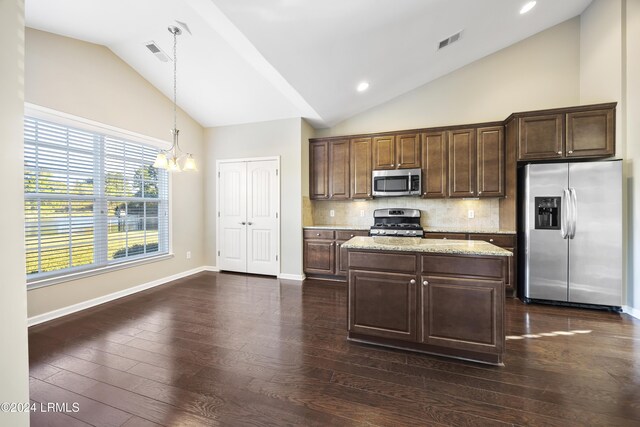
393	232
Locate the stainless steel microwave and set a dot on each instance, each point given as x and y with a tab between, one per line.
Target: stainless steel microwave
400	182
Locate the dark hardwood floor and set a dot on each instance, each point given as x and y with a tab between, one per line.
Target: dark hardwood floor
226	349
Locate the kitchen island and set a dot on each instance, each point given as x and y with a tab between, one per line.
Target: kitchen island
443	297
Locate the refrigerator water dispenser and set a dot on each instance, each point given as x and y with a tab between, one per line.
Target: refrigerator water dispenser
547	213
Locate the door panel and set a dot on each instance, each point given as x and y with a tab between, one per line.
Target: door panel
547	253
461	313
434	164
408	151
262	217
491	161
595	253
360	168
319	170
384	152
590	133
383	304
233	213
339	169
462	163
541	137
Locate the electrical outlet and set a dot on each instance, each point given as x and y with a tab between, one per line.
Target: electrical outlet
471	214
361	212
188	254
332	213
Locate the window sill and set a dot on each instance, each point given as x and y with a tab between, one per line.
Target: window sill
41	283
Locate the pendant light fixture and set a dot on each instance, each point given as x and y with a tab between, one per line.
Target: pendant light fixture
174	159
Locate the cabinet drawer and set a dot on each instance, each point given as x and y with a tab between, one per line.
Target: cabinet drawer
449	236
318	234
348	234
401	263
502	240
461	266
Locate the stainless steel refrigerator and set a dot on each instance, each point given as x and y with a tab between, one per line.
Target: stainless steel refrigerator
573	233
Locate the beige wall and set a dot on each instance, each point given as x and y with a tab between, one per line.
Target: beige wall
89	81
14	369
274	138
539	72
601	60
632	95
609	71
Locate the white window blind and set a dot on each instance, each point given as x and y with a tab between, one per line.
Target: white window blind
91	200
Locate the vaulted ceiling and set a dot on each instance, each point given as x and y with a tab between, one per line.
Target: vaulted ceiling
257	60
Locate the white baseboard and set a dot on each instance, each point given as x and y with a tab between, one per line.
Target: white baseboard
631	311
296	277
45	317
212	268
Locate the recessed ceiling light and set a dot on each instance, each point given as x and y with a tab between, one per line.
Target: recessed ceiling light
527	7
363	86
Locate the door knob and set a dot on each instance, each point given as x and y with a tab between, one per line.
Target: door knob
250	223
243	223
425	283
412	281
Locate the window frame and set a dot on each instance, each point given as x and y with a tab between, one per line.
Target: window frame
75	273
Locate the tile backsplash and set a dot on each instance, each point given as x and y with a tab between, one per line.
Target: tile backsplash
435	212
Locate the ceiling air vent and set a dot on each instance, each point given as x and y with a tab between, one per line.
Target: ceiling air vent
446	42
153	47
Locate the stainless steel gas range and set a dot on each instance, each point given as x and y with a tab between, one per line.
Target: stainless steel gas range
396	222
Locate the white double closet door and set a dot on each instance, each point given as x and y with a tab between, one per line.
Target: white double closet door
248	210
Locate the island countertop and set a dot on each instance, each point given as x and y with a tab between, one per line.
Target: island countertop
416	244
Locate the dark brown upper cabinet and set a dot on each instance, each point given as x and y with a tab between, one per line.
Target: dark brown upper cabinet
360	153
590	133
434	164
401	151
319	170
339	187
490	155
408	151
541	137
384	152
462	163
565	133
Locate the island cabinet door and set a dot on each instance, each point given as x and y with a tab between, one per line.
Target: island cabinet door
463	314
383	304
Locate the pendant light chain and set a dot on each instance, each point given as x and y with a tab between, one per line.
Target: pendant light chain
175	79
168	159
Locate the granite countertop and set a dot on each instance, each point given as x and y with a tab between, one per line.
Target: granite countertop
468	230
337	227
416	244
427	229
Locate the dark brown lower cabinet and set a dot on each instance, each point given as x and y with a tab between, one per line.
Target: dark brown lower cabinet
324	257
445	304
383	304
319	256
460	313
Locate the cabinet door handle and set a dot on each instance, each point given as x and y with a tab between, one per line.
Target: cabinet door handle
317	234
570	151
491	240
352	235
412	281
559	152
444	238
392	164
425	283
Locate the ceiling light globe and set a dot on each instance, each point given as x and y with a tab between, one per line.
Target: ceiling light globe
161	161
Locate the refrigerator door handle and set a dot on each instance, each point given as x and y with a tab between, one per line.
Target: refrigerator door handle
574	213
564	213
